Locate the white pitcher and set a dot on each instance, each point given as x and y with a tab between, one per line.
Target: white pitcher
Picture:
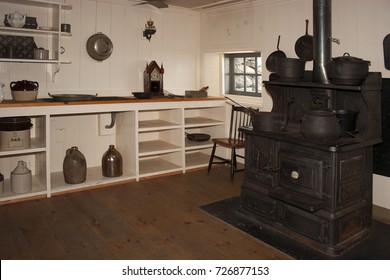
16	19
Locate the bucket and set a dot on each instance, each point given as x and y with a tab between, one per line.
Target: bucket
347	119
15	133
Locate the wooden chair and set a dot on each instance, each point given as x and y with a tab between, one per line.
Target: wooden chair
240	116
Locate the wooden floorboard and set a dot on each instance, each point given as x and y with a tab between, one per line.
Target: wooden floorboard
151	219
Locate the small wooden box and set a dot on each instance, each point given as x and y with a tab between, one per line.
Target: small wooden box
195	93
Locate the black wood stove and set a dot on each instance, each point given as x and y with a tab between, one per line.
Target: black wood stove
318	193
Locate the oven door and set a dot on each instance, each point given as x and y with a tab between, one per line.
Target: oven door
303	173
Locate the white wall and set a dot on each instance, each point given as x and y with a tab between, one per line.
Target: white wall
359	24
175	44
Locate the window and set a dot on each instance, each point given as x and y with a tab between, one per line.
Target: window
242	73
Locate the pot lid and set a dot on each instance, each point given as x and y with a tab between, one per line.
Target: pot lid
99	46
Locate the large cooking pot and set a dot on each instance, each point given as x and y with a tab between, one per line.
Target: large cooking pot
290	69
320	126
270	63
347	70
271	121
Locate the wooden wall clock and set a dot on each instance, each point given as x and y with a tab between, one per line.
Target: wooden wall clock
153	78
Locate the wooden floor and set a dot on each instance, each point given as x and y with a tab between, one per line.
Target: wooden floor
152	219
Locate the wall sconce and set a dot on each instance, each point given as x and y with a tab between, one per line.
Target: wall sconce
150	29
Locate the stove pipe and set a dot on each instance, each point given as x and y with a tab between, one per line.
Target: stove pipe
322	33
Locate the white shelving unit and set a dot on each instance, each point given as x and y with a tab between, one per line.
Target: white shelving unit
209	120
52	37
36	158
149	135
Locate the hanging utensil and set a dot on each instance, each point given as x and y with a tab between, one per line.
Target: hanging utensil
304	45
386	51
270	63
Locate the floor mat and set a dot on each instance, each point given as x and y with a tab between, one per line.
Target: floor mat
376	247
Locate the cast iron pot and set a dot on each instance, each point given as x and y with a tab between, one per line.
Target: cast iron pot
320	126
272	121
15	123
347	70
290	69
347	119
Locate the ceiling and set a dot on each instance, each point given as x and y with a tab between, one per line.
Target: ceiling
199	4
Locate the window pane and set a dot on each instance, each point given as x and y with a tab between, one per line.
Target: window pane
239	82
239	65
251	83
227	83
259	84
258	65
226	65
250	65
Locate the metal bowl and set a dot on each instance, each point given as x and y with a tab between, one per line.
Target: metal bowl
99	46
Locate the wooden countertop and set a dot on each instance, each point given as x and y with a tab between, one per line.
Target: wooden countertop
123	99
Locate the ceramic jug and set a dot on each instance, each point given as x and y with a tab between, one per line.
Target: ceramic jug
112	163
16	19
1	92
74	166
21	179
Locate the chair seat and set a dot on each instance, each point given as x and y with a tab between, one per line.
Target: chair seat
229	143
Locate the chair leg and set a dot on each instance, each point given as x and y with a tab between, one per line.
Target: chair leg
233	164
211	158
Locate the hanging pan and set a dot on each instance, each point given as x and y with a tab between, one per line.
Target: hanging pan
386	51
99	46
270	63
304	45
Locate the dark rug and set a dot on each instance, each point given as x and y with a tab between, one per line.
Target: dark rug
376	247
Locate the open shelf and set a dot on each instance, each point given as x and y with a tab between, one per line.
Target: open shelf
94	178
157	165
156	146
199	158
38	188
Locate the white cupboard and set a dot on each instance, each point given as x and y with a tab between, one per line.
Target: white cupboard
149	135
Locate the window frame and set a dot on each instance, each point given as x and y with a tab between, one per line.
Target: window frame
230	73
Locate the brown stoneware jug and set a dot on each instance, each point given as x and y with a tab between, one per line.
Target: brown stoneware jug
74	166
112	165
